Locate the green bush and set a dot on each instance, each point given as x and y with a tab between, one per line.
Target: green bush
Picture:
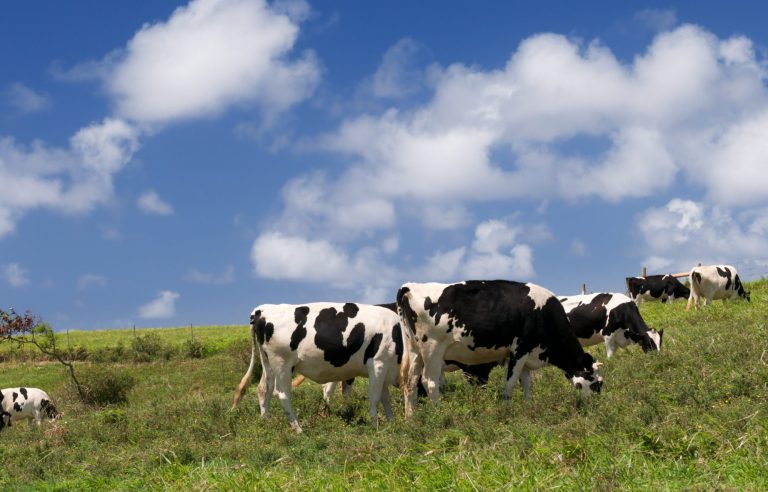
104	386
194	349
149	347
109	354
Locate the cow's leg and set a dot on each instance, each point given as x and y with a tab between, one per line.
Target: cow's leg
283	385
376	382
266	384
412	367
610	346
346	388
386	402
526	381
434	356
514	372
328	389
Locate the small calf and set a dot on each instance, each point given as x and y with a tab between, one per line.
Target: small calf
25	403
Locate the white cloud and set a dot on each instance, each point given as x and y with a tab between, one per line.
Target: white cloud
278	256
151	203
15	275
496	252
684	233
24	99
691	107
197	277
163	306
398	74
70	180
210	55
91	280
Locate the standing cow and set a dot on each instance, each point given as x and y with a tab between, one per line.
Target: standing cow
612	318
25	403
714	282
325	342
656	288
477	322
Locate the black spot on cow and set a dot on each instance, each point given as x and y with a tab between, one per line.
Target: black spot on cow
424	338
2	397
725	273
15	396
430	307
23	392
373	347
300	317
408	314
17	407
696	278
350	309
264	330
588	319
330	326
397	337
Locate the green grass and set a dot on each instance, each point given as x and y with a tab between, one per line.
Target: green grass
692	417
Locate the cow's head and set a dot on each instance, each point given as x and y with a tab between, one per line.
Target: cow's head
651	340
745	295
586	377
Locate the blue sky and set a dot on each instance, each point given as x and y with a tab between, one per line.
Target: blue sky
166	163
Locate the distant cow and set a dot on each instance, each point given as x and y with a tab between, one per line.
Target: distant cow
715	282
325	342
612	318
477	322
656	288
25	403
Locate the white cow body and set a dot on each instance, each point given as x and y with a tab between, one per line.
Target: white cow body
713	282
326	342
25	403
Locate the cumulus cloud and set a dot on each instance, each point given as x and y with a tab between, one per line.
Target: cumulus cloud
683	233
210	55
73	179
496	252
195	276
692	107
151	203
163	306
15	274
25	99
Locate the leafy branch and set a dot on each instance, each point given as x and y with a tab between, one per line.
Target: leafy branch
28	329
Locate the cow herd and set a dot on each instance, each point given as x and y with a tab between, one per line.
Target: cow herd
473	325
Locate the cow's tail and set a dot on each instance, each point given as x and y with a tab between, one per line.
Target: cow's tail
410	348
693	297
249	373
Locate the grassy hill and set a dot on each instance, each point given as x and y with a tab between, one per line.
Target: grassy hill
691	417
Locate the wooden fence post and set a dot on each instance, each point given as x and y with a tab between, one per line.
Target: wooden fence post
583	289
643	272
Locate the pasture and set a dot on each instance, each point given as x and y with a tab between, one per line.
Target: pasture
694	416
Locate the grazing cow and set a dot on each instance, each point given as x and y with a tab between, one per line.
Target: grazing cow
25	403
477	322
715	282
612	318
656	288
325	342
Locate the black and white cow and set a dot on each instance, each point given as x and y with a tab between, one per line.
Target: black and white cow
714	282
656	288
478	322
611	318
325	342
25	403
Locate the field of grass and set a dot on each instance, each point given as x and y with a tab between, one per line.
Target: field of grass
691	417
